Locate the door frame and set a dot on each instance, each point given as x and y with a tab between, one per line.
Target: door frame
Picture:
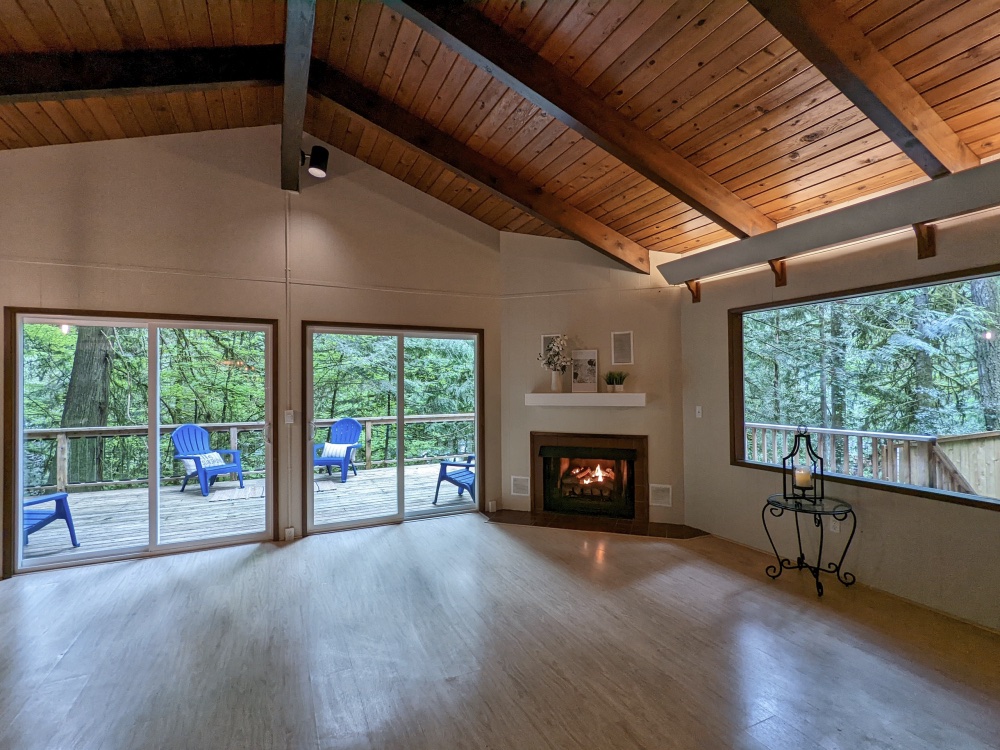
401	331
11	448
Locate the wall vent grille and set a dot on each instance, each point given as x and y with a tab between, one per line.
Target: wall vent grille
520	486
661	494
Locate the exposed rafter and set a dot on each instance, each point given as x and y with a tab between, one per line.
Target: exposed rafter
952	195
299	22
352	96
78	75
463	29
840	50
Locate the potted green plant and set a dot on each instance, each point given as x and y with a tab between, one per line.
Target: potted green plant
615	380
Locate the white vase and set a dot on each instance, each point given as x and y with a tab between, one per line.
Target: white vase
556	384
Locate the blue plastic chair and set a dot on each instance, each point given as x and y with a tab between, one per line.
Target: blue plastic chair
462	474
38	518
191	442
343	433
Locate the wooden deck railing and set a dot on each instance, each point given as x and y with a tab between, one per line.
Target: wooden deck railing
915	460
978	456
370	422
63	435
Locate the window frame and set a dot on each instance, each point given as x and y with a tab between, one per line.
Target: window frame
737	405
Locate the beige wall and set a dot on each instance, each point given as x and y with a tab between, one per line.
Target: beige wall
552	286
939	554
195	225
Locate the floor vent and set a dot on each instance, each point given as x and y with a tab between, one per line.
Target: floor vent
520	486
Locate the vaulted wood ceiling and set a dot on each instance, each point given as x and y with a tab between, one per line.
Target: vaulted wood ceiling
709	80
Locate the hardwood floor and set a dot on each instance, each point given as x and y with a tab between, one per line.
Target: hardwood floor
457	633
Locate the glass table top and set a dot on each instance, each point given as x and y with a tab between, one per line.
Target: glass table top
826	506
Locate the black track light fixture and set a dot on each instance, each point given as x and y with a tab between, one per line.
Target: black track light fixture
318	159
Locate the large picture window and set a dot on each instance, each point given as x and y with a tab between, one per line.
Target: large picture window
899	386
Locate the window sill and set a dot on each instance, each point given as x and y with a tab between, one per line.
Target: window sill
901	489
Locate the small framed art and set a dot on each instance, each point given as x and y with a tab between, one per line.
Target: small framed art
621	348
584	370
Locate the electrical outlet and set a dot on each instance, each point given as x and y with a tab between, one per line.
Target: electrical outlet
697	412
290	534
290	416
834	526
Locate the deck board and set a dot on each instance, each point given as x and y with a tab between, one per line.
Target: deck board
117	519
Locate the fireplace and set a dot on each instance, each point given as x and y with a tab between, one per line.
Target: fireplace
595	475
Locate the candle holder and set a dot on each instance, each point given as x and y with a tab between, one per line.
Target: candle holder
802	476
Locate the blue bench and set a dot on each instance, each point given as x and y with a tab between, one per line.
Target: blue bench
459	473
33	518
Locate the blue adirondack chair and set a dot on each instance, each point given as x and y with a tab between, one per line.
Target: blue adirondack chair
344	434
38	518
462	474
191	442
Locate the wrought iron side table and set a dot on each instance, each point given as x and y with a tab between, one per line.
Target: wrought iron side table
776	506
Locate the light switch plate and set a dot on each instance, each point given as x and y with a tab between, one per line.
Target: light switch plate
290	416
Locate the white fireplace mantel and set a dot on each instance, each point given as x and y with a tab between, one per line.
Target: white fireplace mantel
585	399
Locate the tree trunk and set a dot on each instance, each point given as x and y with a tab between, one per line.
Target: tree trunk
924	371
824	401
984	294
776	371
87	400
838	368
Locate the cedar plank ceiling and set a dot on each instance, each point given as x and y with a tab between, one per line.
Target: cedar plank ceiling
710	78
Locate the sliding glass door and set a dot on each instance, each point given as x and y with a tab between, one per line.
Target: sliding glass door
137	436
392	425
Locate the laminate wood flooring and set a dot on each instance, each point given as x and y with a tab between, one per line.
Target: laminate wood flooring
456	633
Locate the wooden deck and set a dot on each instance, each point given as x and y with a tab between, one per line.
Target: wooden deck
117	519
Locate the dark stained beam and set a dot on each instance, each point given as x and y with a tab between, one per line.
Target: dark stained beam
926	241
780	270
300	19
840	50
459	26
78	75
695	288
948	196
352	96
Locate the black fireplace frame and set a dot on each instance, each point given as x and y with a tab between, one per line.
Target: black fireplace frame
599	443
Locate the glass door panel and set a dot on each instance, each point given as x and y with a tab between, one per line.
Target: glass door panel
213	444
439	423
83	454
352	406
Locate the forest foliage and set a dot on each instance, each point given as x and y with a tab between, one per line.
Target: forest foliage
91	376
922	361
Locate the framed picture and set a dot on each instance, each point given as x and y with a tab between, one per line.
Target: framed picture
546	339
584	370
621	348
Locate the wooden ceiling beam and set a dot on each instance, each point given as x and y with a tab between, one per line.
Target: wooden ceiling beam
839	49
300	19
79	75
459	26
328	82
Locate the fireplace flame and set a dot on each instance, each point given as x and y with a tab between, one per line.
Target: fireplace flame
599	475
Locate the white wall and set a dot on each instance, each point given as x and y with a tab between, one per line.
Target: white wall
939	554
194	224
552	286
